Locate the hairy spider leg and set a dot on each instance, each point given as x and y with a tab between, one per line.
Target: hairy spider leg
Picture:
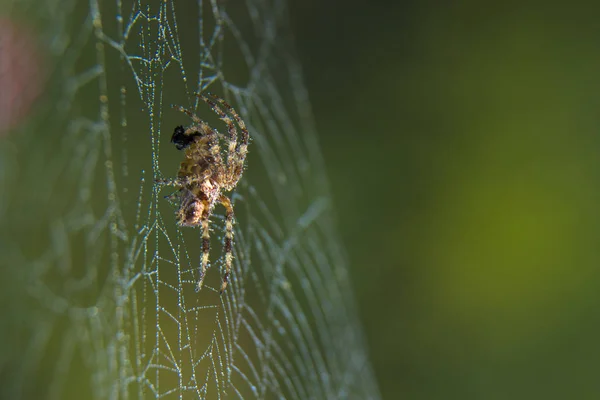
230	127
190	114
169	182
228	239
236	168
205	247
241	123
180	181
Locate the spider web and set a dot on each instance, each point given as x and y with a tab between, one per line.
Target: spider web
98	281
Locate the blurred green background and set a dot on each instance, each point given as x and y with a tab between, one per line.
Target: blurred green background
462	143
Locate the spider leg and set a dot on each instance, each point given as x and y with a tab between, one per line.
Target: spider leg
190	114
228	170
243	148
205	248
228	239
237	153
225	118
188	180
170	182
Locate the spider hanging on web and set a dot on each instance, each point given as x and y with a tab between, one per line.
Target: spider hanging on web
204	176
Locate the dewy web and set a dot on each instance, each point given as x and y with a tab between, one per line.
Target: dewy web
104	304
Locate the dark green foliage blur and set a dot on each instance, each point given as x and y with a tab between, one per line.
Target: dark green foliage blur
462	141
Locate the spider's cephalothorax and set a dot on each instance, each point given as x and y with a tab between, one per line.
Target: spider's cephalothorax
204	176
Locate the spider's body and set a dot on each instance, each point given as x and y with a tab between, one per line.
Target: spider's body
204	176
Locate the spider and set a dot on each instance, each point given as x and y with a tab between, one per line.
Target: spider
204	176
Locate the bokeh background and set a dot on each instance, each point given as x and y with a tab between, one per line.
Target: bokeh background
462	143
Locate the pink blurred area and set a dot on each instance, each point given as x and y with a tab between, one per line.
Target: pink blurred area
20	73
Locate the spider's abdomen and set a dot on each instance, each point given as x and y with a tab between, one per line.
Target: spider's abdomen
191	209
